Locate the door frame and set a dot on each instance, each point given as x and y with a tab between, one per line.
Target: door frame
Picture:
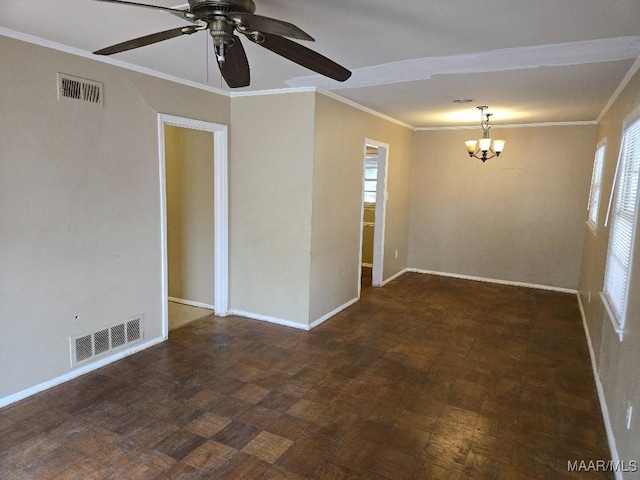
381	211
220	214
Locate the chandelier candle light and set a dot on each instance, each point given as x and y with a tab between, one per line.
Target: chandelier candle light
485	144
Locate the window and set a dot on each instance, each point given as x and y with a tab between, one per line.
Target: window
370	178
623	220
596	187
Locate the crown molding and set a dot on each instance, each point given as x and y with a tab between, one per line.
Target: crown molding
627	78
370	111
272	91
512	125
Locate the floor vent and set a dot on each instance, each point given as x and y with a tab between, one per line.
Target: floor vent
79	89
106	340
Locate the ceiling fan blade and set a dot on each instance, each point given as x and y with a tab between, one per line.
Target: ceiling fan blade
258	23
147	40
185	14
235	68
303	56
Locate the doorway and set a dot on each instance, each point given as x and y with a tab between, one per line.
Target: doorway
374	198
201	219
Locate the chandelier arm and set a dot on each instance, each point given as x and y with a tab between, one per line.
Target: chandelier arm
484	156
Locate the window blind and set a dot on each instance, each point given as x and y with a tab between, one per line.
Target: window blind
619	254
596	188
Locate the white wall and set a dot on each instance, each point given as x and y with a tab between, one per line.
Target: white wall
79	206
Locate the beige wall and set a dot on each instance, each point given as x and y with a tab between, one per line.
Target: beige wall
79	205
189	177
519	217
618	362
271	159
340	132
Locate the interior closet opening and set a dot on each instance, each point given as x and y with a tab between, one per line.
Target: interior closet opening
190	226
194	218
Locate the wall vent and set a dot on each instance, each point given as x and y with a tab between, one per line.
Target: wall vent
77	89
105	340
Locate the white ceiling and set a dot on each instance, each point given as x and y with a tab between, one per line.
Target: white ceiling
531	62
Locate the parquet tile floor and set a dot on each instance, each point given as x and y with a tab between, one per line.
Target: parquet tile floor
426	378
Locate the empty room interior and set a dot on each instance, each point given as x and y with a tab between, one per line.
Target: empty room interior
413	259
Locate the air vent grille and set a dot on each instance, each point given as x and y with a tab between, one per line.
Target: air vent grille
79	90
106	340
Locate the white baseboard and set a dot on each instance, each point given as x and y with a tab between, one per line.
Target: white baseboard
393	277
603	403
267	318
326	317
16	397
191	304
493	280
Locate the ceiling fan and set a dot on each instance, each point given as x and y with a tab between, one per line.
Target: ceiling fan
223	18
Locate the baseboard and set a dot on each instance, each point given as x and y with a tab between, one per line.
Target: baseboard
603	404
267	318
191	304
393	277
326	317
16	397
494	280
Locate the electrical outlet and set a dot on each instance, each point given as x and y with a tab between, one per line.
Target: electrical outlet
396	253
589	297
629	414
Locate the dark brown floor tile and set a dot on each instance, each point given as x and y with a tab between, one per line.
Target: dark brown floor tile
242	466
430	471
210	454
179	444
250	393
236	435
230	407
259	417
277	473
182	471
309	451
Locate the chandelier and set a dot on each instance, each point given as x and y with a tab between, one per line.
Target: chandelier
485	146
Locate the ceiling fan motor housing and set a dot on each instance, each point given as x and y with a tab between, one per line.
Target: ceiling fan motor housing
212	8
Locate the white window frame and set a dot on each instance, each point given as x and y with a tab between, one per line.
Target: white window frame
595	192
623	211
